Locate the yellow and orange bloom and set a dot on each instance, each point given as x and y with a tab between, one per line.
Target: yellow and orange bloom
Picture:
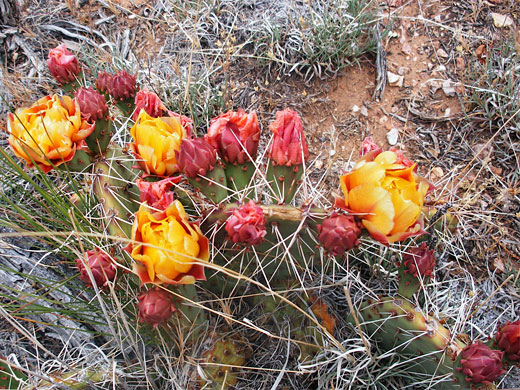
387	195
169	249
155	142
48	133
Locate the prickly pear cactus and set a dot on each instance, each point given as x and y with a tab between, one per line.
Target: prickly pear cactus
220	364
207	232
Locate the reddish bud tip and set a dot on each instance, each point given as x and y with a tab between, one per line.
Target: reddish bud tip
63	65
196	156
101	265
150	102
508	340
420	261
103	81
235	135
339	233
288	146
155	307
246	224
92	104
122	86
158	194
481	364
368	146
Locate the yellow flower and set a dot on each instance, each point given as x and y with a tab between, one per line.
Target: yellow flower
388	196
170	249
155	143
48	132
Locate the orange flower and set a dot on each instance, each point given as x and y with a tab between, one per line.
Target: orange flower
155	143
170	249
388	195
48	133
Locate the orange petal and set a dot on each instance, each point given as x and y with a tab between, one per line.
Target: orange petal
369	172
376	203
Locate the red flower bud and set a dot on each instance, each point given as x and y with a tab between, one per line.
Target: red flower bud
158	194
196	156
508	340
103	81
92	104
235	135
481	364
63	65
101	265
150	102
246	224
155	307
288	146
339	233
420	261
122	86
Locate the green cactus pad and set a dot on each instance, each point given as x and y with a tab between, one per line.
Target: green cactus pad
397	326
99	139
213	185
9	377
79	162
126	106
239	178
118	206
220	364
290	241
303	329
408	283
284	181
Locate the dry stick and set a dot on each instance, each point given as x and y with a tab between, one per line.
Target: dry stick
358	325
490	296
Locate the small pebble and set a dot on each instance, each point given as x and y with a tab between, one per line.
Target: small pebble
392	136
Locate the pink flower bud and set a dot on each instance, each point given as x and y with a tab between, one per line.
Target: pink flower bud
368	145
92	104
481	364
508	340
288	146
122	86
158	194
419	261
401	159
246	224
196	156
155	307
150	102
235	135
101	265
103	81
63	65
339	233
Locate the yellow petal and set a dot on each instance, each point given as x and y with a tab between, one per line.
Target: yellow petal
406	213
